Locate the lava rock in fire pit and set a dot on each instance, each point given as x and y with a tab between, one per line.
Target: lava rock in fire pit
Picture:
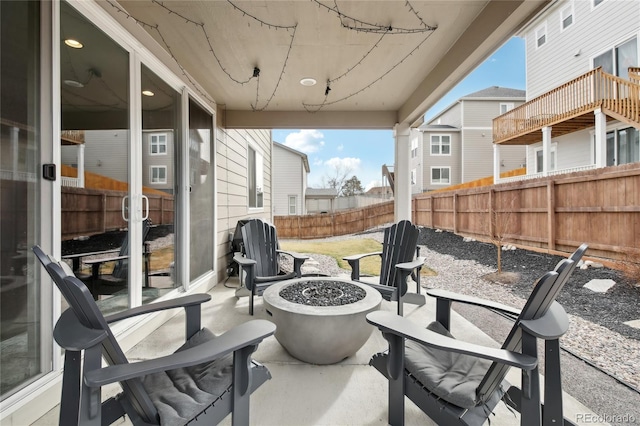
322	293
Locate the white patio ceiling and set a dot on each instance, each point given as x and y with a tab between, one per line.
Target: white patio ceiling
386	61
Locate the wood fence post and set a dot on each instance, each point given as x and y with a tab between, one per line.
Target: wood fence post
104	212
455	212
431	201
492	209
551	214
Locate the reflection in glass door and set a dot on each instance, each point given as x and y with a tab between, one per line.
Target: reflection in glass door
23	358
160	144
94	73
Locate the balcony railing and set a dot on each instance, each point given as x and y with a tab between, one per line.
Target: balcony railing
549	173
595	89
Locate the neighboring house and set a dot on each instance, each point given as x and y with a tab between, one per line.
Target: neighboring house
578	116
321	200
456	146
380	191
290	169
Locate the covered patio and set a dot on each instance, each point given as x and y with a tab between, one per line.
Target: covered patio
347	393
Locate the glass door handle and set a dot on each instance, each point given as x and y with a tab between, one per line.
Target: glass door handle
146	207
125	208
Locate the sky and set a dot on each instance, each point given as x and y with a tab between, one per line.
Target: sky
365	151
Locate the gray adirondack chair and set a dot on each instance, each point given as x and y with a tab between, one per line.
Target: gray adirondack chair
399	261
201	383
261	258
427	367
99	283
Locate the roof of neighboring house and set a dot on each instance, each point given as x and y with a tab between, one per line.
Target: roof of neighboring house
321	193
497	92
379	190
305	159
492	93
436	127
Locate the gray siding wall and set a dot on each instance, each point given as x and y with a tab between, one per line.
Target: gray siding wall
477	140
594	31
452	161
289	179
452	116
232	185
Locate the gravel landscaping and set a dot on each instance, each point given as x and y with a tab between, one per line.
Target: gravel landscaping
604	371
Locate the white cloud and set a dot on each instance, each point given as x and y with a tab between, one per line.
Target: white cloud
306	140
318	162
340	147
372	184
347	163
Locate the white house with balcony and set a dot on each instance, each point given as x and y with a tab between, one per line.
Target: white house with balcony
582	89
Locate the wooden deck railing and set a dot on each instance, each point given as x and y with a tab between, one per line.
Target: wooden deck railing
585	93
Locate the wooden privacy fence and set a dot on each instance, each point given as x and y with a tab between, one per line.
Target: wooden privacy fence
600	207
91	211
331	224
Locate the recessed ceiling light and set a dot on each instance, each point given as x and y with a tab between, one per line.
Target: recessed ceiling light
73	83
73	43
308	82
148	93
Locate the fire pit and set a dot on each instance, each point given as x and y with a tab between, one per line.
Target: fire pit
321	320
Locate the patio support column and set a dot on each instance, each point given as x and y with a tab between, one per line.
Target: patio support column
80	162
546	150
496	163
15	150
601	138
402	172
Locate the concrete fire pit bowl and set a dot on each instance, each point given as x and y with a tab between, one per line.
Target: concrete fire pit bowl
321	334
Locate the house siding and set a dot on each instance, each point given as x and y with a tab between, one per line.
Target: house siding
289	180
231	185
569	53
106	153
452	161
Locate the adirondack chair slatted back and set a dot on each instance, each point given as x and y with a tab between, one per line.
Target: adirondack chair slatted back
121	268
399	246
543	295
88	314
261	244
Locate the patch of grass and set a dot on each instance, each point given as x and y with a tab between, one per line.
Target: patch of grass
339	249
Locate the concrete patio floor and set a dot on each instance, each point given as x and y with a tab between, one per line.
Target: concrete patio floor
347	393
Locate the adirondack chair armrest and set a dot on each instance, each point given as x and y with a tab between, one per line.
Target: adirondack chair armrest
71	335
357	257
245	335
450	296
354	262
550	326
389	323
410	266
243	261
105	260
181	302
298	260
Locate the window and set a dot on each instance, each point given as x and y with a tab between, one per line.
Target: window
414	148
618	60
440	145
597	2
293	202
255	170
158	144
504	107
440	175
566	17
541	35
539	159
158	174
623	146
414	176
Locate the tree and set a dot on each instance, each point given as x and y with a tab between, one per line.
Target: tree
338	179
352	186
